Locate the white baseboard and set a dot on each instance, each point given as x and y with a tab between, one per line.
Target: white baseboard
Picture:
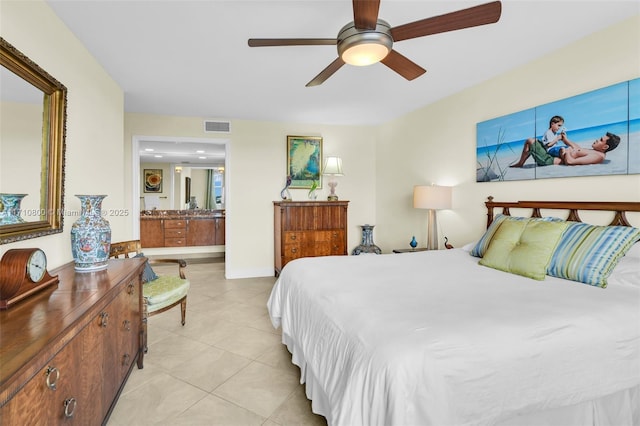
249	273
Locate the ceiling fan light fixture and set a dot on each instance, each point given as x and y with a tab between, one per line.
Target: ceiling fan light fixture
364	47
365	54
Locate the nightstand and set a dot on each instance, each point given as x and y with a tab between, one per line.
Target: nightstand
410	250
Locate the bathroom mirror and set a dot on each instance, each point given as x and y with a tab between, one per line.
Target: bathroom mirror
32	144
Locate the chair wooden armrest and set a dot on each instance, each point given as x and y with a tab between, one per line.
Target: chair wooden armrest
182	264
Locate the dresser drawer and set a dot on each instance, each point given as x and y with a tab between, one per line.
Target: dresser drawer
293	251
54	384
295	237
175	223
331	235
174	233
175	242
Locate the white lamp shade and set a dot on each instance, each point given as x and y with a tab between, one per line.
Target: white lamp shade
432	197
332	166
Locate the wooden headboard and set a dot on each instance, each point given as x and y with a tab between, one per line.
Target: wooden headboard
619	208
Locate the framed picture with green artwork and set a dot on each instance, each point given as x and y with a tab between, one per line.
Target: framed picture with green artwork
304	160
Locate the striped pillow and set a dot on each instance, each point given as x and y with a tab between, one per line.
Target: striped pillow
588	253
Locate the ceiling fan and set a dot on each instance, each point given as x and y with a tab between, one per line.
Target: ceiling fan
368	40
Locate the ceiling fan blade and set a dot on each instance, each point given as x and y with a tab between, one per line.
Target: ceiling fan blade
326	73
402	65
265	42
365	14
483	14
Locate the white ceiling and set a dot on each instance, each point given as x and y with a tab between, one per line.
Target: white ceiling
182	152
191	58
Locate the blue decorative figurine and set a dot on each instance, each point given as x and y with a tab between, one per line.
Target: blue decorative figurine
413	242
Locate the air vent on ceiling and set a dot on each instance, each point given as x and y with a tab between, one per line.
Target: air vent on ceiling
211	126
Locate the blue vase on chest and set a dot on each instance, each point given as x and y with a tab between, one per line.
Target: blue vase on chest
413	243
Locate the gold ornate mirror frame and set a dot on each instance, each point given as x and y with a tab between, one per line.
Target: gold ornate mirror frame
53	147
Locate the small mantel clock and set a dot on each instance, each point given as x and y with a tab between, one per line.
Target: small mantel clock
23	272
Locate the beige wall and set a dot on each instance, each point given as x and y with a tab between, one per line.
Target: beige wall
94	153
255	173
437	143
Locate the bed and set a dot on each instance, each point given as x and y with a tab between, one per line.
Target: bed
434	338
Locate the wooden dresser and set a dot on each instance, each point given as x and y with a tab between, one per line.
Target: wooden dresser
66	352
309	229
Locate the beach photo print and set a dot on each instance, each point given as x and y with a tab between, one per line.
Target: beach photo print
595	133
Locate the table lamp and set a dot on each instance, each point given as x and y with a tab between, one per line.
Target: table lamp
432	198
332	168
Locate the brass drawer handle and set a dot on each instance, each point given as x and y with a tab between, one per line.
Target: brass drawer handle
125	359
127	325
104	319
53	374
293	237
130	288
294	250
69	407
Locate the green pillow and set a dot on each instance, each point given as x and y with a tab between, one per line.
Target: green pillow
482	245
523	247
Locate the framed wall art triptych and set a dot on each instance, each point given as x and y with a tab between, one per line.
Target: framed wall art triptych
506	150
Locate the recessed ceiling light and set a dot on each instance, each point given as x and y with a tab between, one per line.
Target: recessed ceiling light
202	158
158	156
149	149
200	151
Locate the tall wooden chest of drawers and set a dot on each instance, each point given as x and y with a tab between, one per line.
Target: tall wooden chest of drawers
308	229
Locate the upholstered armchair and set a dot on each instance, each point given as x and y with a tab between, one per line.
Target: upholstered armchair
160	292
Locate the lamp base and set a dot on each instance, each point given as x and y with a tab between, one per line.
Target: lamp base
432	231
332	198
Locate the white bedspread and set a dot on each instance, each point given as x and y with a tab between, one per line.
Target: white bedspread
432	338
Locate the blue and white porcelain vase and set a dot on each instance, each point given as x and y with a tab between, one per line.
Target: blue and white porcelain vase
90	235
10	208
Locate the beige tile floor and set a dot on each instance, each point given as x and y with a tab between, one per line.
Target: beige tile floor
226	366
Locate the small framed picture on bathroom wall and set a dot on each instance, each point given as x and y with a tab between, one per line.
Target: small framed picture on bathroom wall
152	180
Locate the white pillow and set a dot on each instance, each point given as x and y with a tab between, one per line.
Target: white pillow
634	251
627	271
468	247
